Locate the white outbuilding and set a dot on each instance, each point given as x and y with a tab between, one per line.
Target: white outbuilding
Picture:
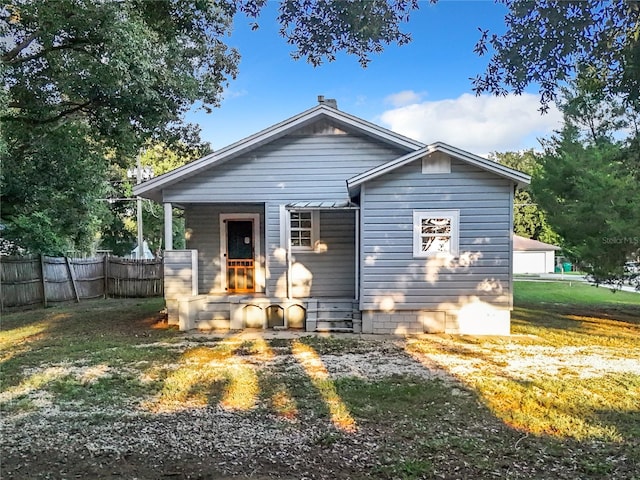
532	256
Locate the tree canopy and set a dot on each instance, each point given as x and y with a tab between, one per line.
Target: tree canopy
548	41
48	191
320	29
529	220
589	183
134	66
86	84
128	69
118	229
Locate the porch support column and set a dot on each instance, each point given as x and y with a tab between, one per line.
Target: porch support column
289	261
357	253
168	226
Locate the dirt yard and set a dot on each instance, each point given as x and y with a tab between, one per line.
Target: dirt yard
170	405
192	440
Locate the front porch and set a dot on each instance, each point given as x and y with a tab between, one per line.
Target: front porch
190	309
239	312
268	266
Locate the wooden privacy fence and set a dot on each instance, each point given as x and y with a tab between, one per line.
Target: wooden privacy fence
39	279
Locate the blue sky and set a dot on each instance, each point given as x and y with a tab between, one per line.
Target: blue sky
422	90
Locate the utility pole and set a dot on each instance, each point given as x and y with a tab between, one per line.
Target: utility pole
141	174
139	202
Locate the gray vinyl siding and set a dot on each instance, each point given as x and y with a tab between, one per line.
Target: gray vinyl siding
287	170
202	223
388	268
334	269
176	282
276	264
290	169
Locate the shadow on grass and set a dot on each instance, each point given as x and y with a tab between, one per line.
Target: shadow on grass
619	328
407	426
60	346
439	429
582	405
604	408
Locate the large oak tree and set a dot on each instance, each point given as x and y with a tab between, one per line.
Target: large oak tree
86	83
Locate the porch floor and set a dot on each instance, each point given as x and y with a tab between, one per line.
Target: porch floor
258	311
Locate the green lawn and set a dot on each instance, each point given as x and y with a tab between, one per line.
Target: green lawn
575	313
571	293
558	399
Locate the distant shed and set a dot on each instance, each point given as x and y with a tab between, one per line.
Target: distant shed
532	256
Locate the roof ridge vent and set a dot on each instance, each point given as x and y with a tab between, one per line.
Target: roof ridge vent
329	102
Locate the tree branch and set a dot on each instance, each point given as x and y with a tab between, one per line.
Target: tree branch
15	51
55	118
71	46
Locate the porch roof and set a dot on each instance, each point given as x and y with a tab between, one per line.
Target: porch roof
323	205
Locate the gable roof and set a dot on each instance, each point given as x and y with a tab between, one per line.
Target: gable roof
509	173
523	244
152	188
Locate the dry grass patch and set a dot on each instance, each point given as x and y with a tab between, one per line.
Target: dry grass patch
557	400
569	371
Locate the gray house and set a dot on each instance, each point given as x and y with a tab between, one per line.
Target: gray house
327	222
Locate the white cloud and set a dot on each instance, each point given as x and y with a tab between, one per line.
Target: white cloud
361	100
230	94
479	125
401	99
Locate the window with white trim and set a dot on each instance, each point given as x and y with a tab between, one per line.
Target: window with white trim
304	228
435	233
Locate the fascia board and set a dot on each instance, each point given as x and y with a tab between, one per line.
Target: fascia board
270	134
230	151
483	163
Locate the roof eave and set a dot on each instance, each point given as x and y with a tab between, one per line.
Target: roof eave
228	152
489	165
512	174
272	133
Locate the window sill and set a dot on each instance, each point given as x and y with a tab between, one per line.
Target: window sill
302	249
437	255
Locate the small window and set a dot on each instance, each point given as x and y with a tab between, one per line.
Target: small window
304	225
435	232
